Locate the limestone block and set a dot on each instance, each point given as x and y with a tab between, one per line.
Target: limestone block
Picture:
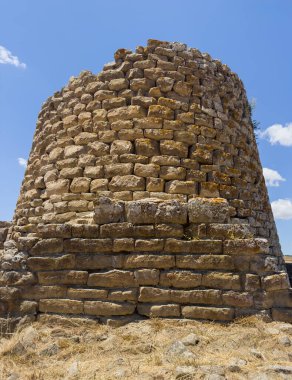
246	247
93	172
211	313
229	231
141	211
98	185
143	101
174	148
180	279
158	134
80	185
209	190
121	147
48	263
118	84
181	187
133	261
193	246
221	280
283	315
59	186
124	245
127	182
276	282
76	293
88	245
46	246
125	113
148	170
156	311
237	299
64	277
252	282
101	308
71	173
170	103
147	276
146	147
149	294
171	212
172	172
169	230
149	245
73	151
112	279
166	160
91	261
108	211
206	296
203	262
117	230
118	169
165	83
208	210
85	138
62	306
38	292
183	88
116	102
98	148
154	184
137	84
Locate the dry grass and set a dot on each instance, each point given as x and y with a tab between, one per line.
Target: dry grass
60	348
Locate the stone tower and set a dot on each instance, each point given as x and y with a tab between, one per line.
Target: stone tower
144	195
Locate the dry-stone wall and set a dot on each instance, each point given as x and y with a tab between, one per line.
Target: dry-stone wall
144	195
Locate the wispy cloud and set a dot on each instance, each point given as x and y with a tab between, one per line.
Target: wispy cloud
7	58
278	134
22	162
282	209
272	177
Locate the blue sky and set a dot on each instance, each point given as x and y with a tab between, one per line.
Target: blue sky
43	43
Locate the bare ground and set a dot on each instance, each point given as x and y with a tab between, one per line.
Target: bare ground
60	348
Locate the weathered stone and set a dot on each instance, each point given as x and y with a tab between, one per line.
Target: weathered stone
149	261
221	280
246	247
127	182
100	308
62	306
180	279
147	276
206	210
213	313
112	279
64	277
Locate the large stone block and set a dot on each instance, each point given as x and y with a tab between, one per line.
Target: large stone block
47	246
88	245
127	182
62	306
92	262
158	311
246	247
211	313
221	280
64	277
208	210
149	261
180	279
108	211
205	262
112	279
101	308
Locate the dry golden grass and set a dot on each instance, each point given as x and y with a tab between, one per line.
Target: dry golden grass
60	348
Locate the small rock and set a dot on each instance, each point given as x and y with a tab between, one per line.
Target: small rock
13	376
257	354
190	340
212	369
285	369
258	376
72	371
176	348
182	372
285	327
121	373
214	376
29	338
271	331
236	364
284	341
50	351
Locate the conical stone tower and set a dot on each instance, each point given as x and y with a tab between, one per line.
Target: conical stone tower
144	195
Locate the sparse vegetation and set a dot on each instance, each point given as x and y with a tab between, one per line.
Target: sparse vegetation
61	348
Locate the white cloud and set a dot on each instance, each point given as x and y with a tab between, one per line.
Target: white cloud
282	209
272	177
22	162
278	134
6	57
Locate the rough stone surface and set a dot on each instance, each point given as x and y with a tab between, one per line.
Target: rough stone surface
144	193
